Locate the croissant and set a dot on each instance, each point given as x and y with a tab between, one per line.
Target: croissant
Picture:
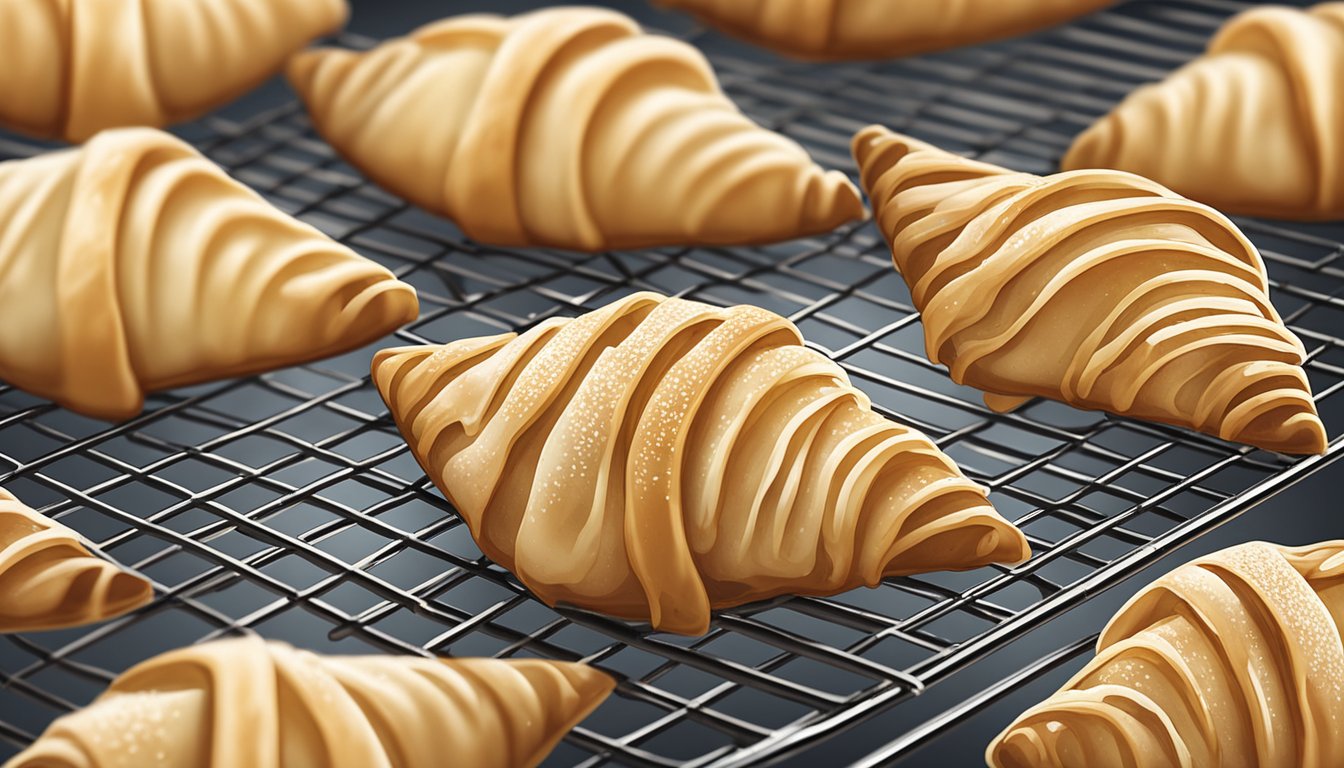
1252	127
659	458
246	703
1097	288
134	264
833	30
49	580
566	127
1232	660
75	67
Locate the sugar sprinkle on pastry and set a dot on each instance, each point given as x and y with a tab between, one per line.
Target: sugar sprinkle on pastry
659	458
1099	288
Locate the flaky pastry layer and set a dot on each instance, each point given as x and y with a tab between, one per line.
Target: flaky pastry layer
133	264
660	458
1233	660
566	127
1255	126
879	29
1099	288
72	68
50	580
246	703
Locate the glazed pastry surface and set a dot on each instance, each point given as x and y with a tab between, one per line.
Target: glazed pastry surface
1255	126
878	29
133	264
566	127
246	703
1098	288
72	68
658	458
1233	660
49	580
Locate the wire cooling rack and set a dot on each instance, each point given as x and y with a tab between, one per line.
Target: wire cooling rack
288	505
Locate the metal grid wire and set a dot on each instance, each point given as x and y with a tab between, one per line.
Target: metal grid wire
288	505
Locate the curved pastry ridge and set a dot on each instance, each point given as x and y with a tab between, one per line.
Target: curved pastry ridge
140	266
685	458
1254	126
1234	659
50	580
832	30
80	66
566	127
1098	288
246	703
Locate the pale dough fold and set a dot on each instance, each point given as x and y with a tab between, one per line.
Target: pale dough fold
833	30
133	264
658	458
246	703
566	127
1255	126
72	68
49	580
1231	661
1098	288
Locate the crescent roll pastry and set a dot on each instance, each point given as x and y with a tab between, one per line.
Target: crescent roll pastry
658	458
1098	288
72	68
49	580
1255	126
566	127
133	264
878	29
1232	660
247	703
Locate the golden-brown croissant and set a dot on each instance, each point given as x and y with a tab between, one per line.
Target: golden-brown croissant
566	127
49	580
1234	659
1254	127
1098	288
75	67
832	30
245	703
134	264
659	458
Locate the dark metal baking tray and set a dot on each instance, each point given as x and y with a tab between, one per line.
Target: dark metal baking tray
289	506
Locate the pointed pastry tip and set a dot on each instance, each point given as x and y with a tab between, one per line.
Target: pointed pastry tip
843	203
592	684
1089	148
876	149
390	366
1015	748
865	136
300	68
382	356
50	580
869	139
386	363
1007	545
861	146
582	691
338	11
126	592
379	305
691	619
1301	434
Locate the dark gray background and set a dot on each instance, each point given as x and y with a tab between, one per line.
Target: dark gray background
1297	516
